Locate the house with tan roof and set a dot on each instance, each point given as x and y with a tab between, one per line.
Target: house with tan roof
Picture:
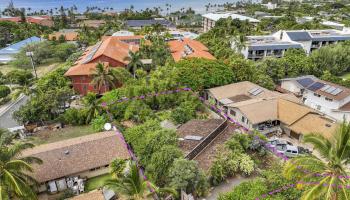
188	48
68	34
257	108
331	99
111	52
83	157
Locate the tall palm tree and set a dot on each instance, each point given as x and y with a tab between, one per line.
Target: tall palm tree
240	42
103	78
15	182
132	185
134	60
92	105
330	168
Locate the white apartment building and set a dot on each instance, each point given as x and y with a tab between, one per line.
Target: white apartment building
210	19
331	99
258	47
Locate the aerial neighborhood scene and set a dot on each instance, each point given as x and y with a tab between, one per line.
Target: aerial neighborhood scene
175	100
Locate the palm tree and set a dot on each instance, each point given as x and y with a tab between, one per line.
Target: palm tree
330	168
132	185
92	105
134	60
240	42
14	178
25	89
103	78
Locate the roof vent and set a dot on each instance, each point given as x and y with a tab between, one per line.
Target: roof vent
328	125
66	152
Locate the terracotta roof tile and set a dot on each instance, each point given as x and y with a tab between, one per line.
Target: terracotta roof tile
69	36
178	49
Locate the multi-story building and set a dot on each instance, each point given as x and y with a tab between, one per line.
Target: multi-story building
328	98
258	47
210	19
111	52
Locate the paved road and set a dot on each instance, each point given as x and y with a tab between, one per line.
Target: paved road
226	186
6	120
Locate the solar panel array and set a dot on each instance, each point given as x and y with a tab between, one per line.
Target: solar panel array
316	86
331	90
305	82
255	91
92	53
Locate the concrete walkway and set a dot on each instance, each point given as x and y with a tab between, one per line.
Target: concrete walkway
226	187
6	120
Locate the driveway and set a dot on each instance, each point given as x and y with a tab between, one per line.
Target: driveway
226	187
6	120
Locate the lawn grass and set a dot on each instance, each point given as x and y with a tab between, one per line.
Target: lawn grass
345	76
48	136
96	182
41	69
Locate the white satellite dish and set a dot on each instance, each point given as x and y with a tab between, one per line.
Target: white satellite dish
107	126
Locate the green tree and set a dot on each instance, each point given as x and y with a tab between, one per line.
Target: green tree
92	106
199	74
185	175
134	62
103	78
334	155
14	178
160	163
4	91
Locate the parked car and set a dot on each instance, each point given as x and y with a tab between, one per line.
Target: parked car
303	150
291	151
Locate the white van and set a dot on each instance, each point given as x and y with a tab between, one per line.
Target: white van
291	151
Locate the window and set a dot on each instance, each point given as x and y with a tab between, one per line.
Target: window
329	99
318	107
233	113
317	95
243	119
84	88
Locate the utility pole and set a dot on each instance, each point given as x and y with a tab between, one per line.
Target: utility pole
30	54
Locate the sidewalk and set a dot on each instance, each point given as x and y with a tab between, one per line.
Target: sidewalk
4	108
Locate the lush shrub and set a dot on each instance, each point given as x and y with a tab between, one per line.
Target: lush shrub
160	163
185	175
4	91
200	74
185	112
138	111
98	123
64	50
20	77
74	116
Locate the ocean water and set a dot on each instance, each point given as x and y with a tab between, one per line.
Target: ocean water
197	5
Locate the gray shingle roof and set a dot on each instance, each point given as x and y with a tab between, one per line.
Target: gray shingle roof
299	35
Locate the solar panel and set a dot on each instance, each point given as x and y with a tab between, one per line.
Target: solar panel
258	91
330	90
92	53
325	88
253	90
337	91
305	82
316	86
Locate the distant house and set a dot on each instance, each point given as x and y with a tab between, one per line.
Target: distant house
41	20
92	23
123	33
84	157
187	48
257	108
68	34
7	53
138	24
111	52
210	19
275	45
328	98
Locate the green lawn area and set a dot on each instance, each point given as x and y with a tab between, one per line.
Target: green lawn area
48	136
41	69
345	76
96	182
